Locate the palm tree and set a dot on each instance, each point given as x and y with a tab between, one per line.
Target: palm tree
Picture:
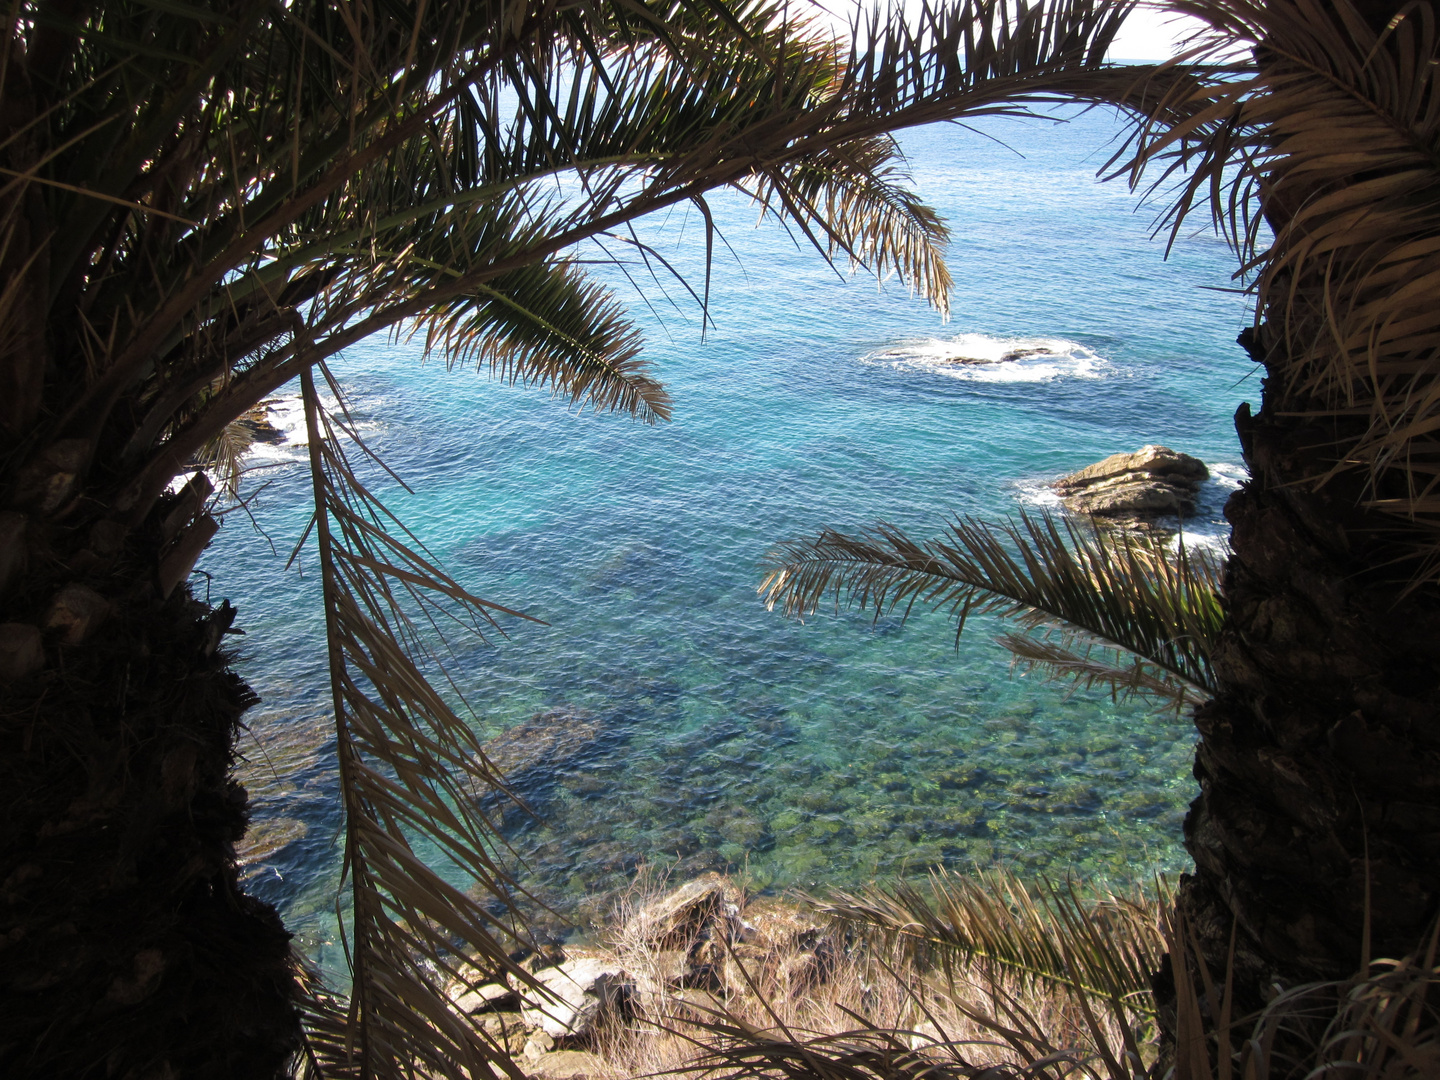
200	202
1316	835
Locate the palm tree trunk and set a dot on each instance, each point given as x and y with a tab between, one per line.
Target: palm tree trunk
127	948
1319	812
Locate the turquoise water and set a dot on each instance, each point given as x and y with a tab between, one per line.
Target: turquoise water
706	731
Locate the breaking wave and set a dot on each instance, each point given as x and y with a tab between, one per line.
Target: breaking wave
983	358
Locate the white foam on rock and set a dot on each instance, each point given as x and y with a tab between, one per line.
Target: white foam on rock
1037	493
286	415
1033	359
1205	531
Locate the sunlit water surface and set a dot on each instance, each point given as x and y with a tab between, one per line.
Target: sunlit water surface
698	729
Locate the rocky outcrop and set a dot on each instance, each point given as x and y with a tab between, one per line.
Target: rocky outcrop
691	952
261	428
688	912
575	996
1153	482
1004	358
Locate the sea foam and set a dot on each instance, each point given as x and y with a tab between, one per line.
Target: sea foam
985	358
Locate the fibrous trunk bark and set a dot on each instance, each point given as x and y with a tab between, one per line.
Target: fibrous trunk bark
127	947
1319	761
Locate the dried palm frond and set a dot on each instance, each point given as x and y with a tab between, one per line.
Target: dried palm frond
1386	1026
1334	133
1383	1023
224	455
735	1050
1112	593
1099	951
998	980
411	773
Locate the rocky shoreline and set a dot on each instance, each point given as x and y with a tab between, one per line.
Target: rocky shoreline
688	954
261	428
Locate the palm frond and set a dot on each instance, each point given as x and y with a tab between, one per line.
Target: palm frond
545	325
411	776
977	948
856	196
1334	131
733	1050
224	455
1123	593
1100	952
1106	947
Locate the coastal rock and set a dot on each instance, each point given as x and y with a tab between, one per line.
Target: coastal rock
680	915
1152	482
481	998
565	1065
772	924
579	993
657	978
505	1029
783	950
258	423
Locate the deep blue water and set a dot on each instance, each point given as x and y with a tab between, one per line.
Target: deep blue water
717	733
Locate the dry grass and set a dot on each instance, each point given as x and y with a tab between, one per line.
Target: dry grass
780	988
981	978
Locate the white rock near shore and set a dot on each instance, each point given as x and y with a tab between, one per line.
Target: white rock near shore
576	994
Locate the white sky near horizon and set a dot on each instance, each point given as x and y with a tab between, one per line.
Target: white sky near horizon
1148	34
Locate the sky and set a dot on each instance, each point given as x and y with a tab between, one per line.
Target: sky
1148	34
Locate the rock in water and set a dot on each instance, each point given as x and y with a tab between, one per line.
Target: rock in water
1152	482
547	739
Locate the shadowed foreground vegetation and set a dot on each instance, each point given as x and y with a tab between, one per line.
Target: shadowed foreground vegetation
974	977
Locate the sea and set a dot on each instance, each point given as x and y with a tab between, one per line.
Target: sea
680	726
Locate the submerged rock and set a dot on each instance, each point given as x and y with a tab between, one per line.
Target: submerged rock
264	838
1152	482
547	739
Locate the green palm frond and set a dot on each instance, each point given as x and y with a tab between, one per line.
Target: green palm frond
1105	947
1112	594
343	187
546	325
856	196
411	776
1336	130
